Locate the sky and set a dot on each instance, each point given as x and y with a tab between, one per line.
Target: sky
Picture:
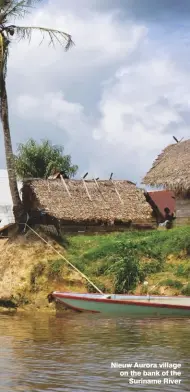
118	97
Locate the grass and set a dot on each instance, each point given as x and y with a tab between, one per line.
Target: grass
107	256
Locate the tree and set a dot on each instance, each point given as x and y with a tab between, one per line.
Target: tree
41	160
14	9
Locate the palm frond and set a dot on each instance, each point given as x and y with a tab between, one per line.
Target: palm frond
4	7
54	36
30	2
5	3
13	3
16	9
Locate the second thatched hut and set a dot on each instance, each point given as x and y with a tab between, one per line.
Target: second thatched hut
171	170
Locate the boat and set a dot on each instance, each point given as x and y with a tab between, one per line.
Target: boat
123	304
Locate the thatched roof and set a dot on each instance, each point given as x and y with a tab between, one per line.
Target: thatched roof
76	200
172	168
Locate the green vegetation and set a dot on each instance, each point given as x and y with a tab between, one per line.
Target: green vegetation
171	283
117	262
120	263
186	290
40	160
55	268
123	261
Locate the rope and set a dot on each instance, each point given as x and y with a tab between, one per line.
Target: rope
64	258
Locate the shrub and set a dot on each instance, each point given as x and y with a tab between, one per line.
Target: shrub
151	267
127	273
186	290
98	269
54	268
183	270
171	283
91	289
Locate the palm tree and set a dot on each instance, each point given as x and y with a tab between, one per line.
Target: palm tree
10	9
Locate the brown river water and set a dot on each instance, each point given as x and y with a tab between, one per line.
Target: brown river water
74	352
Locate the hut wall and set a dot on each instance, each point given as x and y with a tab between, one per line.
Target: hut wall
182	211
97	229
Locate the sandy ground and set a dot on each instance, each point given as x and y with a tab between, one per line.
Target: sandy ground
18	258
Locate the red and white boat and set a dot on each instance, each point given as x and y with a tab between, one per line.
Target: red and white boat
124	304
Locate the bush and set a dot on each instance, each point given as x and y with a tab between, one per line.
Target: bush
171	283
186	290
91	289
151	267
127	273
55	268
183	270
98	269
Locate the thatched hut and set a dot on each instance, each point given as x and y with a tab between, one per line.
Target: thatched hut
89	205
171	170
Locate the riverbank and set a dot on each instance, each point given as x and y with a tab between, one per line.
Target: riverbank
118	262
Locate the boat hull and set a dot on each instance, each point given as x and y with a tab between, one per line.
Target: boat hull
131	305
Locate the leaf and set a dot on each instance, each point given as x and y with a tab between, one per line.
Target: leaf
54	36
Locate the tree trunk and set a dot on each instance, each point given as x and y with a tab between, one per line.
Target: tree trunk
17	204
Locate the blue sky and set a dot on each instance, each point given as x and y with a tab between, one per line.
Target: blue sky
117	98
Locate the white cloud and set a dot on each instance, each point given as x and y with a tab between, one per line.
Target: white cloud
141	108
53	108
138	105
100	40
138	114
114	100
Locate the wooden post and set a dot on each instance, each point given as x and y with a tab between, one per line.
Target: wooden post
117	192
96	184
65	185
98	188
86	189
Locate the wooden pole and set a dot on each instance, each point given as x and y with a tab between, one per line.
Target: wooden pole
86	189
98	188
117	192
96	183
65	185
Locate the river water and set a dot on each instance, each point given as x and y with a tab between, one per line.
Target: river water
74	352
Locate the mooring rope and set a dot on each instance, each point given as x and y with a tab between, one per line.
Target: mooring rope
64	258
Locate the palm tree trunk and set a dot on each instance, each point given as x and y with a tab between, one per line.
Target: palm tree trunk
17	204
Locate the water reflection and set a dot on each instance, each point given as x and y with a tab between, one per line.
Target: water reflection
74	353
